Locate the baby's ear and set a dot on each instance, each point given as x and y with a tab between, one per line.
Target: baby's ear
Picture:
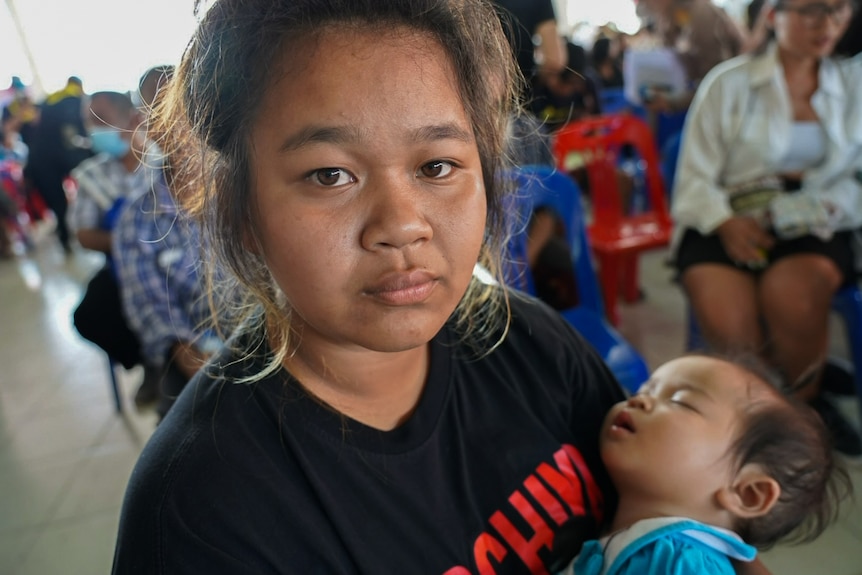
753	493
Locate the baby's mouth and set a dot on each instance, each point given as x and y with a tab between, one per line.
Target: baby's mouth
624	421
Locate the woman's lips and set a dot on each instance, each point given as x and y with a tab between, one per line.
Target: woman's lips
402	288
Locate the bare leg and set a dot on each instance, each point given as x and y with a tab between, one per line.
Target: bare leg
795	295
724	302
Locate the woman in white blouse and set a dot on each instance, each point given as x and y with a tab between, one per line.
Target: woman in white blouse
767	192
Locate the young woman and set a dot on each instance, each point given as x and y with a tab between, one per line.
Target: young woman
767	191
379	409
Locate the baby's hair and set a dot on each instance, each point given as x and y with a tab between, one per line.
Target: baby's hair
207	113
790	442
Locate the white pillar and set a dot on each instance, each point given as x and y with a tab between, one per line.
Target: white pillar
37	88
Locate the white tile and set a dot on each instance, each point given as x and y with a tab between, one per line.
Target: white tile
49	434
132	431
14	547
30	491
837	552
851	512
77	547
98	485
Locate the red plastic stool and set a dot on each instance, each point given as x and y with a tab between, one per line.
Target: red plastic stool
616	237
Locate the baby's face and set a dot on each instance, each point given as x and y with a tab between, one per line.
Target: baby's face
672	441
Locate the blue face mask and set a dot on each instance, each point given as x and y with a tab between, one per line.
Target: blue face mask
108	141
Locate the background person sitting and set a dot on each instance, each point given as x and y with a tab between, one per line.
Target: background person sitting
540	65
700	33
157	256
605	63
572	96
767	194
104	183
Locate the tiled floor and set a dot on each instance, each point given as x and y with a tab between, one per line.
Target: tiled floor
65	454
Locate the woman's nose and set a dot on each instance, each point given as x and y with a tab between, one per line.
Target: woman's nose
396	216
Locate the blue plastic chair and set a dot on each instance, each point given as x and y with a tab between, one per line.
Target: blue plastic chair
668	126
847	303
545	186
665	125
669	158
613	101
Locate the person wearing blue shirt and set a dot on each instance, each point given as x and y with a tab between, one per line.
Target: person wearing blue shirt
711	461
104	183
157	258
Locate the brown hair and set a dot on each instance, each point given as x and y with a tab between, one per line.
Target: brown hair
790	442
212	102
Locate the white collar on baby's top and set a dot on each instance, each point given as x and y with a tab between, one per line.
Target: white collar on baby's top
718	538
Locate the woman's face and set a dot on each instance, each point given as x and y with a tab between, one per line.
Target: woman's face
368	185
810	28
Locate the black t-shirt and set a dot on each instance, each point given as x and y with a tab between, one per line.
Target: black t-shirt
520	19
496	471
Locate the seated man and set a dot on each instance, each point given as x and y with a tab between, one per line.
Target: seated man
157	258
572	96
104	183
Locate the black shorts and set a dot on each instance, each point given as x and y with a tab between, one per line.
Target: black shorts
695	248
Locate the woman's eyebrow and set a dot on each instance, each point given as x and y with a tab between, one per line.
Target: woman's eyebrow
350	135
320	134
446	131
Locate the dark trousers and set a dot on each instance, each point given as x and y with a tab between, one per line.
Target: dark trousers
99	318
49	183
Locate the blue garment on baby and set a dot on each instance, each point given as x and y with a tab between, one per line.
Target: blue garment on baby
666	546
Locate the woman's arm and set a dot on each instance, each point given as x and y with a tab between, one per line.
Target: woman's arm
698	201
551	50
843	190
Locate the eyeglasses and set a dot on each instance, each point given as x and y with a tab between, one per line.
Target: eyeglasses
816	12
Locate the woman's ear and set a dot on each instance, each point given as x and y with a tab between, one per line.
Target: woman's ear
753	493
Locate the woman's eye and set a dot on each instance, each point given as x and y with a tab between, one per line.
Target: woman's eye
331	177
436	169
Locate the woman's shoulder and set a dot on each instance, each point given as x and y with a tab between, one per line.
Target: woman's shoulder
215	439
532	319
539	340
731	82
851	70
734	71
209	419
